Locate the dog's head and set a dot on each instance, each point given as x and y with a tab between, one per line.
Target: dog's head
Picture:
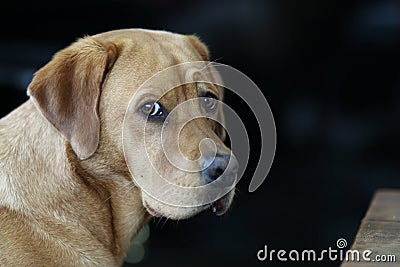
85	91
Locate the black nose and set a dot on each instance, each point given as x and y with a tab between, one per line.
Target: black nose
220	164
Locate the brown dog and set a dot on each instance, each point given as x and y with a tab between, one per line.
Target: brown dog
66	194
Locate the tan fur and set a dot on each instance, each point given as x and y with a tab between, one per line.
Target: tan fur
66	195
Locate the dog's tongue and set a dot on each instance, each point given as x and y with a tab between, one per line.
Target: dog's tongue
218	206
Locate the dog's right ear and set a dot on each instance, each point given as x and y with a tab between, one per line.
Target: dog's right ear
67	91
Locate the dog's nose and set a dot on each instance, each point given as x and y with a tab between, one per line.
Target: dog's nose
219	165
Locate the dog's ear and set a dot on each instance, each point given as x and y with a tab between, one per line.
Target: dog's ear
219	129
67	91
200	47
215	77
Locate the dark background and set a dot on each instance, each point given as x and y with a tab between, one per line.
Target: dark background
330	72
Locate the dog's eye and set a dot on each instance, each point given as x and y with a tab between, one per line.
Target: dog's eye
209	102
153	110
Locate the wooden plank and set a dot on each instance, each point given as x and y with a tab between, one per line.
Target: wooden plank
379	231
385	206
366	264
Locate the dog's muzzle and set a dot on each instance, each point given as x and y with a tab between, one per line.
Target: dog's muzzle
222	164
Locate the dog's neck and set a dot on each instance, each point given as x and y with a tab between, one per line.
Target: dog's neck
48	180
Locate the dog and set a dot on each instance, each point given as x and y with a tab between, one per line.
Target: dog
67	197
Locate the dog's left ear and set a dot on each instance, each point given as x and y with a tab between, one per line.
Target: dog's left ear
67	91
199	46
216	78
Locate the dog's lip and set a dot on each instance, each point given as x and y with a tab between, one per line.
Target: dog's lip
220	206
152	211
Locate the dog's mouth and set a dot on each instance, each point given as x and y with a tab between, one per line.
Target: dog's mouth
221	206
152	212
218	207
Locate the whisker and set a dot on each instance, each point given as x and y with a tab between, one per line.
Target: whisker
166	219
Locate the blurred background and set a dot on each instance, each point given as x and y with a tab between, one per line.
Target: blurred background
330	71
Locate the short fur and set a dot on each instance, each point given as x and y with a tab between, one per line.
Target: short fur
66	195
